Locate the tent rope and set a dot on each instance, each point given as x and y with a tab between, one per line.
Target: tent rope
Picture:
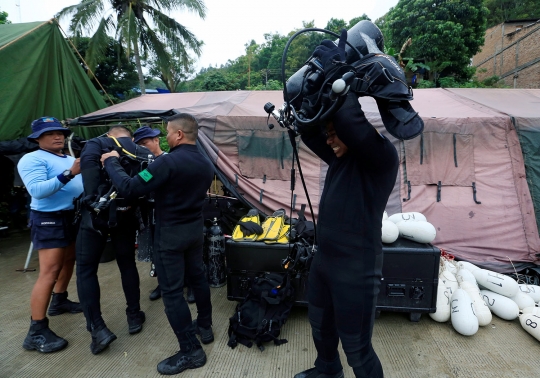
86	64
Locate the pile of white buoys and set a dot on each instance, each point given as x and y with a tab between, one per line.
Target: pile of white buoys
468	296
413	226
530	321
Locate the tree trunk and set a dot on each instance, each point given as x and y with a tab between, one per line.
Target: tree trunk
139	67
166	82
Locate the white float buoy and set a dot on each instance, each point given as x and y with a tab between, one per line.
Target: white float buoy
465	275
418	231
467	265
502	306
496	282
481	310
398	217
449	281
442	314
531	323
532	291
531	310
462	314
389	232
450	273
522	300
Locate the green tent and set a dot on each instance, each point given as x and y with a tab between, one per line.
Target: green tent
40	76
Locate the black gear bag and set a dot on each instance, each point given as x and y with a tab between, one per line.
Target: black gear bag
260	316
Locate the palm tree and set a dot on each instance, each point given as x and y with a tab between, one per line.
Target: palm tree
128	21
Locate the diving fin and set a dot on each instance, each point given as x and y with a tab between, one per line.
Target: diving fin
283	236
272	226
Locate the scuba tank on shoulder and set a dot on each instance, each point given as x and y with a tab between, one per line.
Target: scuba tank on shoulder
107	203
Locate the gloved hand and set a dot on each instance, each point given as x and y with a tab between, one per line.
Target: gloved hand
250	228
327	51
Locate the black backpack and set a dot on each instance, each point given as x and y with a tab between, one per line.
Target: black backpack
260	316
104	205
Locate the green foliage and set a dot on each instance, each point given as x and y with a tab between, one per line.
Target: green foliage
451	82
504	10
140	26
219	81
3	18
413	66
448	82
445	33
115	71
493	82
260	67
336	25
163	144
271	85
426	84
171	71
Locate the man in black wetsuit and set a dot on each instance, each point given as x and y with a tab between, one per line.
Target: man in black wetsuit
180	181
345	273
93	234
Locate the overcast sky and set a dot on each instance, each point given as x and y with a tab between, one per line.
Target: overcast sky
229	25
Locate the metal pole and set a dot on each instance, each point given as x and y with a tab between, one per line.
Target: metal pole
25	269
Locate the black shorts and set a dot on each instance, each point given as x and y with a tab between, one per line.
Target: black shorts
52	229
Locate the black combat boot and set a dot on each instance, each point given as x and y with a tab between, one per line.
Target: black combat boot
41	338
60	304
156	294
314	373
190	297
135	321
206	334
102	337
190	356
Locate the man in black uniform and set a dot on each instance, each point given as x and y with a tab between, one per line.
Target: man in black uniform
345	273
93	234
180	181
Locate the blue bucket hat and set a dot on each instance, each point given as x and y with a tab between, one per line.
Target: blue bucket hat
145	132
44	124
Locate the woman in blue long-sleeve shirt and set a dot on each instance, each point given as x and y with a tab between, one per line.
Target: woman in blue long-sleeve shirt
53	181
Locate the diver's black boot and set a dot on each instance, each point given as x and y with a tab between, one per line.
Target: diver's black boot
102	337
193	359
41	338
190	356
156	294
314	373
190	297
135	321
60	304
206	334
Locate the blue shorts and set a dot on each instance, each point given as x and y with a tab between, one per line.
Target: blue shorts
52	229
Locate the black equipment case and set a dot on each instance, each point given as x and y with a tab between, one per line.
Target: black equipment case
410	278
246	260
409	283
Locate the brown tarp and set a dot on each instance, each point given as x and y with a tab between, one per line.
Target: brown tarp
523	106
464	142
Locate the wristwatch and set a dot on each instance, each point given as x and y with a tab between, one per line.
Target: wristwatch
67	174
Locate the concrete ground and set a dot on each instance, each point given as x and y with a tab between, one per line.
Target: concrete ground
417	350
